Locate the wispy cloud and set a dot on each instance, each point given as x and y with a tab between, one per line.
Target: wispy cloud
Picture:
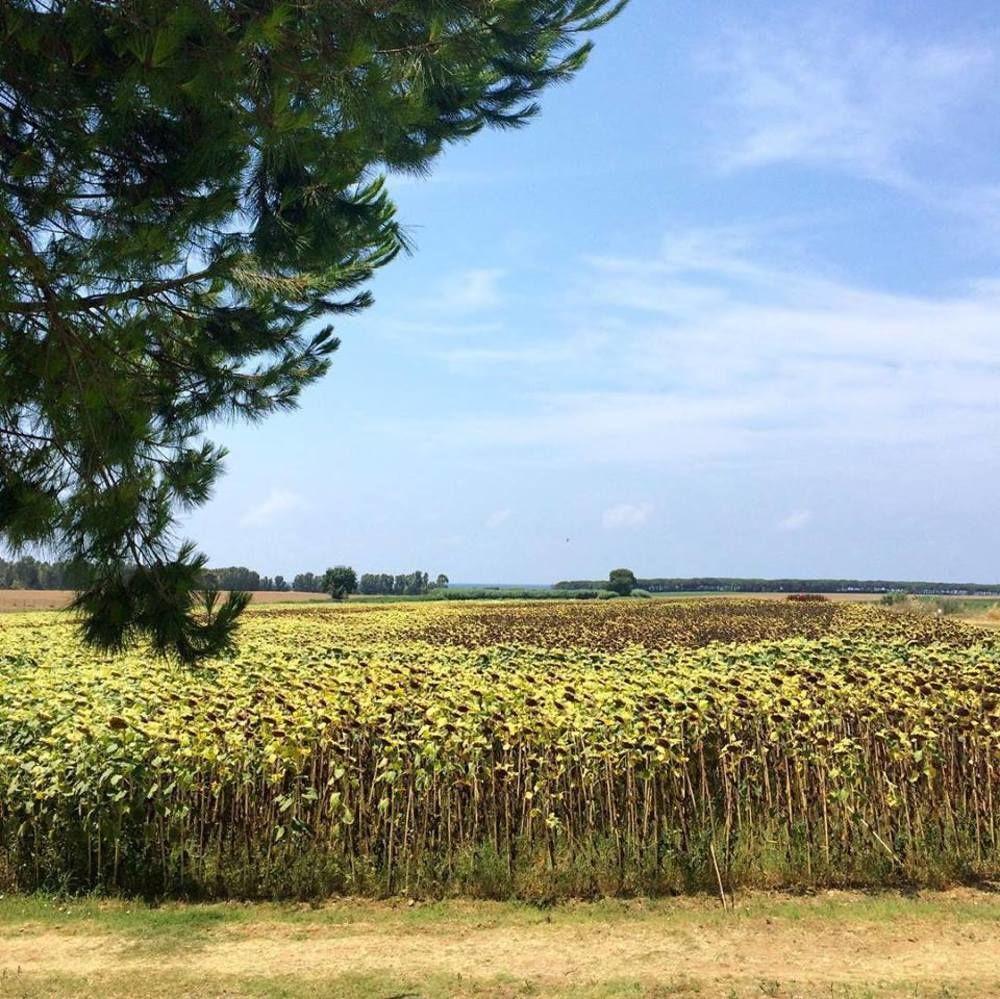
437	327
795	521
826	92
626	515
497	518
566	351
473	290
465	306
723	353
277	503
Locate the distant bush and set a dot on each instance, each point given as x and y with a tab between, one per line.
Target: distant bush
894	598
954	606
607	594
808	598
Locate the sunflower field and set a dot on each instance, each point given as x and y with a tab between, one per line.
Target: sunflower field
538	750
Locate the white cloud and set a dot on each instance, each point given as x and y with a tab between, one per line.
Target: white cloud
410	329
626	515
858	98
530	354
795	521
720	354
278	502
472	290
497	519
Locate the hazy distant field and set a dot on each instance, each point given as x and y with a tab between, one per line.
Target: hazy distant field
20	600
731	595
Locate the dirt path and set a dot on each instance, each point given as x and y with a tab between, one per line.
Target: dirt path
471	950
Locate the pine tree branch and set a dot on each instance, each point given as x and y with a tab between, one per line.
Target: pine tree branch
138	293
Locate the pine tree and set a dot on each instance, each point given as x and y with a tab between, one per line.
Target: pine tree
186	189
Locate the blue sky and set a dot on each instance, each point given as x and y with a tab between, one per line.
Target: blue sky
730	306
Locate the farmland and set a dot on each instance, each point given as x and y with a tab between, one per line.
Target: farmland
24	600
540	751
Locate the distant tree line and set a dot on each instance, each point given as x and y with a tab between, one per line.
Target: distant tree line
411	584
715	584
28	573
239	577
339	581
308	582
620	582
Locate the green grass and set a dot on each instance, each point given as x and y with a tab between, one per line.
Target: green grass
961	606
484	593
180	921
157	947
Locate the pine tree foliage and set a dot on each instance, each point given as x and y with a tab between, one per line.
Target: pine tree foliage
187	190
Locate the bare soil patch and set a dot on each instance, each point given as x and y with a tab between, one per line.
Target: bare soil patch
851	949
24	600
29	600
860	953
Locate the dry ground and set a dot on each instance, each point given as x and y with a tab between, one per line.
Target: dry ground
22	600
835	945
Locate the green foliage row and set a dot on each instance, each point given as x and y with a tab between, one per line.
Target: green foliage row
513	593
401	584
28	573
239	577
